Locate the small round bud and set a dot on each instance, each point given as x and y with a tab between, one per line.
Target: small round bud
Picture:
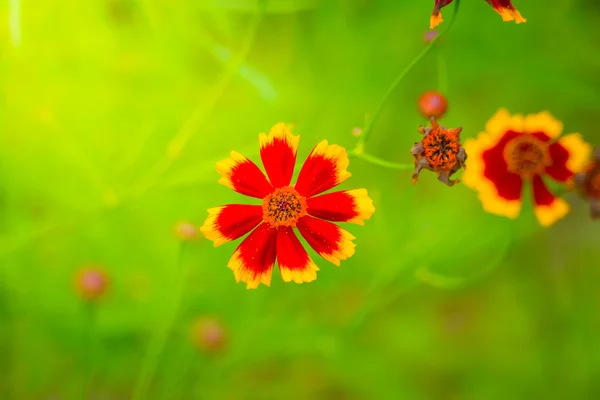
208	334
91	283
433	104
186	231
356	132
430	35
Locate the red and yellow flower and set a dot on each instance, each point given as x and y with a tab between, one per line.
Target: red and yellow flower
516	150
503	7
284	207
588	184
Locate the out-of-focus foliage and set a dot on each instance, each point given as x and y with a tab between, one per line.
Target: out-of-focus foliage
112	115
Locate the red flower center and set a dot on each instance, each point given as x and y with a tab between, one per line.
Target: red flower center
283	207
441	149
527	156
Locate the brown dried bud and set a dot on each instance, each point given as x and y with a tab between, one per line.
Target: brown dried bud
588	184
439	151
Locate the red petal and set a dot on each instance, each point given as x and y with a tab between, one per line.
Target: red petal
294	262
278	154
570	155
548	208
253	260
508	185
436	15
347	206
506	10
559	156
439	4
230	222
324	168
541	195
243	176
329	240
542	136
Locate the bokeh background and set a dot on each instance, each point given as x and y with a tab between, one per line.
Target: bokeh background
112	115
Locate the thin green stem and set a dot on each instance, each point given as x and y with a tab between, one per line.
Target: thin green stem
378	161
160	337
442	73
14	21
88	343
382	103
373	298
180	140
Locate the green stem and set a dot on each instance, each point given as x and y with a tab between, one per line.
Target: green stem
378	161
373	298
442	71
369	127
158	341
179	142
14	22
88	338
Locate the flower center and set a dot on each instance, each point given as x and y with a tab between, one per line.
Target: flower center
441	149
527	156
283	207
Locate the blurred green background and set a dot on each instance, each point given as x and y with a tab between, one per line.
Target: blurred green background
112	115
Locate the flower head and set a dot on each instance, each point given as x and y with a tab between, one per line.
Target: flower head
91	283
433	104
588	184
285	207
439	151
516	150
503	7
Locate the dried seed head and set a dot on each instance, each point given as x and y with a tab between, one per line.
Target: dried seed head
439	151
588	184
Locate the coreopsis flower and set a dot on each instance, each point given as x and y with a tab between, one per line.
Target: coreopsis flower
91	282
588	184
517	150
503	7
433	104
285	207
439	151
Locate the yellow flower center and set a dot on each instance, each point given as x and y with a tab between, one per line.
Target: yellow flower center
283	207
527	156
